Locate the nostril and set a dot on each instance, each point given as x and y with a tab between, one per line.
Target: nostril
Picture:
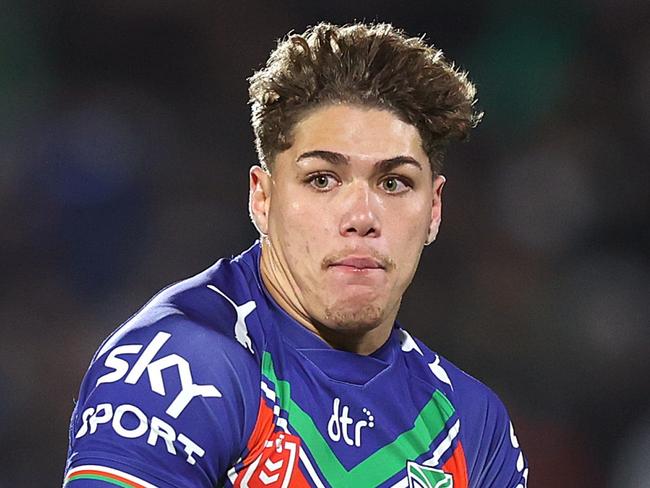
362	231
361	220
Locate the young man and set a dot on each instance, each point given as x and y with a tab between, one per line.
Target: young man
284	366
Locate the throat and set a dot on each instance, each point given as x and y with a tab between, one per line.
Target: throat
354	334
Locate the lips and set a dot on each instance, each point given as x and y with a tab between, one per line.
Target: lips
359	263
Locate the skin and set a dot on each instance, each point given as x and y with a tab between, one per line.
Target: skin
344	216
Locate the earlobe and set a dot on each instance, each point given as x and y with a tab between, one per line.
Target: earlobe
436	210
433	232
259	198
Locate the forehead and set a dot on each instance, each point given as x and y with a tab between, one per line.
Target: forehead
358	132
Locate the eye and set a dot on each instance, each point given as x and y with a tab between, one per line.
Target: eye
322	181
393	184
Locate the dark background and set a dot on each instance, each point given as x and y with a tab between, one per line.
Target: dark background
124	150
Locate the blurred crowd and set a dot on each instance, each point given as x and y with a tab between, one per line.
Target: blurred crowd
124	150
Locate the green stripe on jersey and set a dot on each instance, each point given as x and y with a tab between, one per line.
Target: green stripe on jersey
98	477
380	465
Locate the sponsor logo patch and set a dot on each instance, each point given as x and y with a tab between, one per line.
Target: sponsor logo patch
130	422
342	426
154	369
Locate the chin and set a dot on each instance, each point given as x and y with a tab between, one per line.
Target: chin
354	320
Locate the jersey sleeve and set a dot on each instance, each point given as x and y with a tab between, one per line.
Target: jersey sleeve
165	404
495	458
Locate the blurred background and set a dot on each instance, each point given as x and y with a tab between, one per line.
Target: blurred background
124	150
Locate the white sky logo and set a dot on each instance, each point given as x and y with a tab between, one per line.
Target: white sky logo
154	369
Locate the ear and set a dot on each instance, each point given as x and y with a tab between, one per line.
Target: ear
259	198
436	209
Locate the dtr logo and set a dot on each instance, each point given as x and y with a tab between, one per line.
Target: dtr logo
154	369
339	424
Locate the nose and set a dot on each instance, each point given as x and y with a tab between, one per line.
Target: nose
360	216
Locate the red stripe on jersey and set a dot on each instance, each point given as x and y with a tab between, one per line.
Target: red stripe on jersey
274	463
457	466
262	431
278	465
84	473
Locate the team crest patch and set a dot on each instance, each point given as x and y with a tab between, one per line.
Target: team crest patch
420	476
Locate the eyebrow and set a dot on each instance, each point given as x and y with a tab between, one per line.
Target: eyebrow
386	165
329	156
336	159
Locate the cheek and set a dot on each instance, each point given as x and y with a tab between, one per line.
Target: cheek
300	226
300	218
408	231
411	222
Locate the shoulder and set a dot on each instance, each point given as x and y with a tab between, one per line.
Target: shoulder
494	457
466	392
209	311
188	365
201	327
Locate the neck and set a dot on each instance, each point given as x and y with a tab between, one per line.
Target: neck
284	290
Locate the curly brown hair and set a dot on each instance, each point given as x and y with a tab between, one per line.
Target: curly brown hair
371	65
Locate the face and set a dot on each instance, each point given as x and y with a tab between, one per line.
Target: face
346	212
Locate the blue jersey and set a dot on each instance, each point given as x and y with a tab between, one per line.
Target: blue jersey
212	384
